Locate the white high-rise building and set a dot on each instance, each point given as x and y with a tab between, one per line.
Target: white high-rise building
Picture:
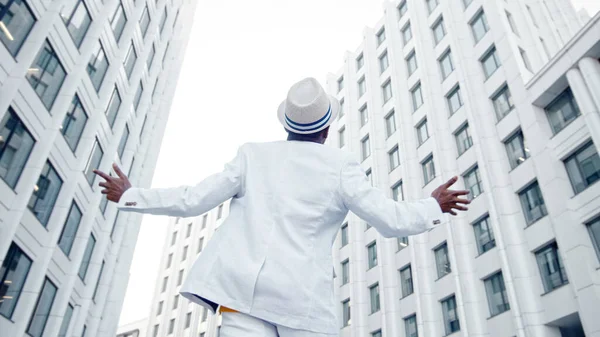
83	84
503	94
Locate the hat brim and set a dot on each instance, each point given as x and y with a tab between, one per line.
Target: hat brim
335	110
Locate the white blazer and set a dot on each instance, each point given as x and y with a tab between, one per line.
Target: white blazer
271	258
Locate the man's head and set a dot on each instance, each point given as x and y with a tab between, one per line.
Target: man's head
308	111
317	137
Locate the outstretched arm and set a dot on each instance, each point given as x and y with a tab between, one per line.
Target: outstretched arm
184	201
396	219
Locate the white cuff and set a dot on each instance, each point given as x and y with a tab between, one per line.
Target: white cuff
435	216
129	199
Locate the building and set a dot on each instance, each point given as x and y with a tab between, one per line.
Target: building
83	83
171	314
134	329
503	94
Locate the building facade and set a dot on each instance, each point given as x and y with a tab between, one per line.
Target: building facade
134	329
503	94
83	84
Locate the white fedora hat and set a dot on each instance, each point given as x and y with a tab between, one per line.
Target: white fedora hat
307	108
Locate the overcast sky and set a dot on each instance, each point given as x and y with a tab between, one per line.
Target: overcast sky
241	59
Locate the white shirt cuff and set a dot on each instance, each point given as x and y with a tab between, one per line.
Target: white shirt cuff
435	216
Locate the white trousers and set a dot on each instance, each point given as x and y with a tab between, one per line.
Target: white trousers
236	324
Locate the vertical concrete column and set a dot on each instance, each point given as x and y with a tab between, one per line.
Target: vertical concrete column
585	101
590	70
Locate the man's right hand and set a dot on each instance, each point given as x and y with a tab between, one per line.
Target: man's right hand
114	187
449	200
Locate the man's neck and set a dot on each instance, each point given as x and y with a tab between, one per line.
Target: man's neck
301	138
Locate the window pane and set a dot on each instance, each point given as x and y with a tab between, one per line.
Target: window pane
15	24
98	281
463	140
583	167
442	260
431	5
163	20
151	57
446	64
342	137
503	103
97	67
406	281
372	254
113	107
410	326
451	322
46	75
360	62
406	33
87	256
390	124
594	229
341	114
484	235
439	31
473	183
402	9
397	192
454	100
40	314
551	267
16	143
77	20
364	115
384	62
490	63
130	59
346	313
496	294
387	91
344	235
516	149
345	272
69	231
362	87
66	321
366	148
74	123
138	96
118	21
45	192
532	202
374	296
562	111
422	132
340	83
394	158
479	26
417	97
145	21
93	162
411	62
380	37
14	269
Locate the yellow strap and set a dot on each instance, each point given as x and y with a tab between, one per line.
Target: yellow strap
225	309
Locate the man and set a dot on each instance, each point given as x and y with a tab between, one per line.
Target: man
269	266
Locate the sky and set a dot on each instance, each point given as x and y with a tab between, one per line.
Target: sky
241	59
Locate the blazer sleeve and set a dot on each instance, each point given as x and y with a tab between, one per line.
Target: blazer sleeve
390	218
188	201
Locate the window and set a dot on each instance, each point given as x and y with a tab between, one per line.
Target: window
473	182
340	83
380	37
369	176
360	61
171	326
138	96
484	235
45	192
98	282
344	234
113	107
451	322
397	192
163	20
84	331
341	114
406	281
155	331
118	21
431	5
402	9
87	257
372	254
200	245
365	147
204	221
346	313
517	149
66	321
551	267
189	230
15	147
342	137
463	139
204	315
164	58
15	24
74	123
394	158
402	242
362	87
220	212
374	296
594	229
583	167
384	62
180	278
14	269
143	127
376	333
164	285
532	16
525	59
175	301
46	75
442	261
496	294
97	67
533	203
41	313
511	23
411	63
490	62
77	20
364	115
410	326
184	254
386	90
345	272
390	123
93	162
123	143
407	33
454	99
130	59
446	64
417	97
439	31
69	231
503	102
160	307
422	132
151	56
545	46
562	111
479	26
169	260
144	21
188	320
173	238
467	3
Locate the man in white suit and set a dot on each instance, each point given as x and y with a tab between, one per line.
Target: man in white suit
269	266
